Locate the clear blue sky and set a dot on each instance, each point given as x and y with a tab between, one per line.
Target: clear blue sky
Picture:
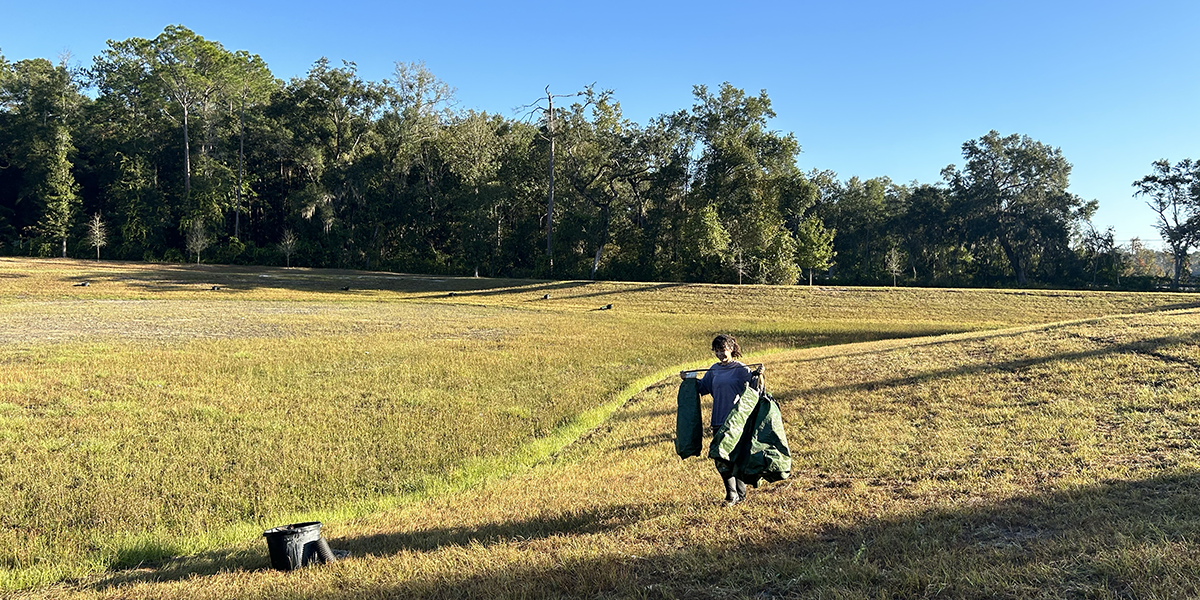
869	88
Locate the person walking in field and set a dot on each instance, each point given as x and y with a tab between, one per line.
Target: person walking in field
725	381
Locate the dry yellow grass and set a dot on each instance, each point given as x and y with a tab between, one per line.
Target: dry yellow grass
924	468
901	446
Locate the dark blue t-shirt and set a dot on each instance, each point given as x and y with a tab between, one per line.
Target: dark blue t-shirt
725	382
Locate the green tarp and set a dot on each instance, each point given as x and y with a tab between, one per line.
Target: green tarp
752	445
689	424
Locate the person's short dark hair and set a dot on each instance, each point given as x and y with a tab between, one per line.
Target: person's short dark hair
727	342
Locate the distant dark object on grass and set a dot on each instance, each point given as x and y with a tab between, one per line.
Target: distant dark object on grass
545	296
345	288
605	307
215	288
452	294
81	284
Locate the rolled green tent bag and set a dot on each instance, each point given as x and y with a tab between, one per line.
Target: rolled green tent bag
768	456
689	422
752	444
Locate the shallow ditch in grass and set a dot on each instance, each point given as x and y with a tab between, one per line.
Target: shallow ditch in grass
236	546
1012	517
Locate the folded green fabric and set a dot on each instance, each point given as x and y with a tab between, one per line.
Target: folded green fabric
689	422
752	444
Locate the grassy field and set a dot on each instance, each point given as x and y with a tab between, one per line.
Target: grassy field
147	415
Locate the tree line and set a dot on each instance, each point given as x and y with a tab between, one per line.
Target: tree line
175	148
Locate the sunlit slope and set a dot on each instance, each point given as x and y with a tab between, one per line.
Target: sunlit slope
1042	462
29	281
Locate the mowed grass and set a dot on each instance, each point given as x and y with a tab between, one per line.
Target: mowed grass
924	468
141	423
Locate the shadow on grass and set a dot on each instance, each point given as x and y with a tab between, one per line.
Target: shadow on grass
182	277
1148	347
1110	539
589	522
798	340
516	288
1169	307
175	569
636	288
553	290
646	441
598	520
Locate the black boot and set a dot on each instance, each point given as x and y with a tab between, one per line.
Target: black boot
731	491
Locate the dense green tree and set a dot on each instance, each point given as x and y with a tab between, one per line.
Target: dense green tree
412	177
814	246
603	162
252	86
473	146
329	119
747	172
861	210
59	192
706	245
39	106
930	230
1016	191
136	200
8	226
655	239
179	69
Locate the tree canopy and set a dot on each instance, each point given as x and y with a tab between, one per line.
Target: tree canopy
179	140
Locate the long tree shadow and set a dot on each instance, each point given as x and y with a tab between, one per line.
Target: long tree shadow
635	288
801	339
549	288
517	289
586	522
1149	347
1169	307
176	278
1105	539
596	520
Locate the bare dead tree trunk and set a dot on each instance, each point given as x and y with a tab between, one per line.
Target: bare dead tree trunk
550	197
187	156
237	207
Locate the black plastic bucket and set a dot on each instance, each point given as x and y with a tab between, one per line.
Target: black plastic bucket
294	546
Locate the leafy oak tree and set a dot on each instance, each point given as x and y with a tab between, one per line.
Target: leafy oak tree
1172	191
1016	191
